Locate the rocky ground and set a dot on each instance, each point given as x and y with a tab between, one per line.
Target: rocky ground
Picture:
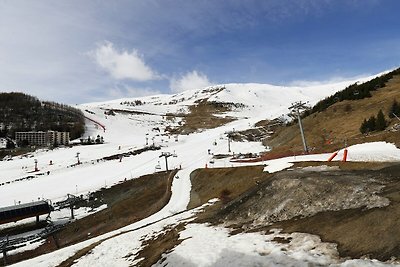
356	207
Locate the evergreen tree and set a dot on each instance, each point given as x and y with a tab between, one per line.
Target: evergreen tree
371	124
380	121
10	144
364	127
394	109
355	91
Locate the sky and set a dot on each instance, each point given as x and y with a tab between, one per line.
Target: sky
73	51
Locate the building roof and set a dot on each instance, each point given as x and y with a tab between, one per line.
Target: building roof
25	205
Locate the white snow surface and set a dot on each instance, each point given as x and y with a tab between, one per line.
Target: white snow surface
375	151
128	132
206	246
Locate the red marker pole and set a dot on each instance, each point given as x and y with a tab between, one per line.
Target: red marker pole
344	155
332	156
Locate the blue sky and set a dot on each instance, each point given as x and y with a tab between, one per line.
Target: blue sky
83	51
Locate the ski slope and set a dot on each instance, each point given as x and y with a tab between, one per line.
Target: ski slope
143	125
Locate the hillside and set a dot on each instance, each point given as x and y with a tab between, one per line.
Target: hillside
331	128
198	110
21	112
322	200
130	212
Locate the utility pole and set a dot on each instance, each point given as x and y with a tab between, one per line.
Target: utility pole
295	108
166	155
71	199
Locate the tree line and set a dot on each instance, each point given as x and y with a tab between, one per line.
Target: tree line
379	123
353	92
22	112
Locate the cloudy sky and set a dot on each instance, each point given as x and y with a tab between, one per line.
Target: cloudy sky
74	51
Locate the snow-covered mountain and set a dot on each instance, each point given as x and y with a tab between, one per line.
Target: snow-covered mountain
272	101
130	124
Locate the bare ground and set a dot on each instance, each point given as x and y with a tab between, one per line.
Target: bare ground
127	202
153	249
360	231
355	206
328	201
201	116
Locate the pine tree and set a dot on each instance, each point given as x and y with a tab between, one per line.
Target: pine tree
364	127
371	124
380	121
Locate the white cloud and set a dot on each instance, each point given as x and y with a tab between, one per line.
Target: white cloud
126	91
123	64
189	81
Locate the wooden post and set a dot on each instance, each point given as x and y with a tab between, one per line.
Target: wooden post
72	210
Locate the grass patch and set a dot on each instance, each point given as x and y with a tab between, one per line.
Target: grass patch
224	183
200	117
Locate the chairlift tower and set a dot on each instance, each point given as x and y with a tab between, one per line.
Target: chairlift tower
230	134
77	156
36	163
166	155
295	108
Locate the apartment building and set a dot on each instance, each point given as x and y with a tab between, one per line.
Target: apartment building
43	138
